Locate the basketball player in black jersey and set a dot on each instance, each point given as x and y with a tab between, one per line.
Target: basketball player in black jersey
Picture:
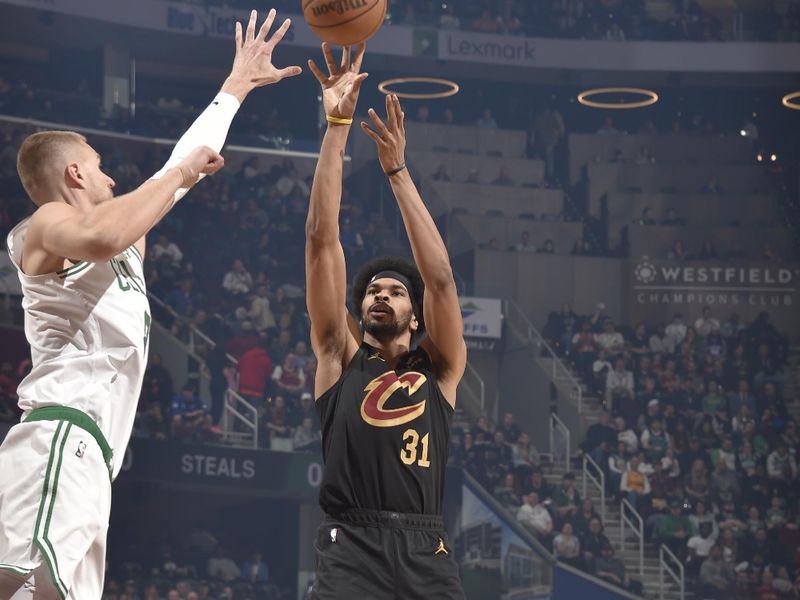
385	395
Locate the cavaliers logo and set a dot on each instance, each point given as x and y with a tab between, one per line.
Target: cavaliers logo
380	389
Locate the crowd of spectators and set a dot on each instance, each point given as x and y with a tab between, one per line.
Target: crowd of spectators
505	462
197	568
695	434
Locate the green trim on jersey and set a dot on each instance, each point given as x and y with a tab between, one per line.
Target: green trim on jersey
138	254
79	419
76	268
15	570
49	497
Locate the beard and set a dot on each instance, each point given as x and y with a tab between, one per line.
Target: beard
387	329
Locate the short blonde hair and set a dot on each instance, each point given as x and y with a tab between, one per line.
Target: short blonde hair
37	152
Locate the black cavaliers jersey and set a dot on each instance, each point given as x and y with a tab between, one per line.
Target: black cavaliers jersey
385	436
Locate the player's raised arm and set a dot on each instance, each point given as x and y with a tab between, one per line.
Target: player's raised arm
252	68
326	283
443	321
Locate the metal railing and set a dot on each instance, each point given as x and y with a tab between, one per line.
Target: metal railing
627	515
557	425
598	478
233	412
194	332
560	373
677	576
472	377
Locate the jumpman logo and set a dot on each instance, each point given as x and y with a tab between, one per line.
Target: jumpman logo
441	549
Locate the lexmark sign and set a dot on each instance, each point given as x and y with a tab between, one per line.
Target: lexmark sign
474	47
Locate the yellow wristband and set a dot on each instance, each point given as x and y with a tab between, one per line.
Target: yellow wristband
338	121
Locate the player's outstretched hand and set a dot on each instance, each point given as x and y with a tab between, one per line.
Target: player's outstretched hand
200	161
341	86
390	137
252	65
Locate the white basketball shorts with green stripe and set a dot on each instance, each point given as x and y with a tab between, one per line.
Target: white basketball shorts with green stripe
55	502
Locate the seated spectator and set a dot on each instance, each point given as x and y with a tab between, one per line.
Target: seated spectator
238	281
533	515
260	314
672	219
676	330
655	441
276	424
611	569
677	251
617	465
781	467
646	217
619	386
601	367
584	349
698	548
697	482
610	339
525	457
486	22
707	323
473	177
306	436
182	299
166	248
190	417
504	177
627	436
222	567
151	423
538	485
288	379
351	240
716	576
566	498
498	458
509	428
567	547
255	569
486	121
524	244
673	529
580	521
593	540
608	128
581	248
725	453
449	19
634	485
506	492
597	433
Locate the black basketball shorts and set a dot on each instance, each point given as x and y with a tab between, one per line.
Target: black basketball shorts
377	555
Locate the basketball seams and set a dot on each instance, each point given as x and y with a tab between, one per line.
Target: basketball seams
375	4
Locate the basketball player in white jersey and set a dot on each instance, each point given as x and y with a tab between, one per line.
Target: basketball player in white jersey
87	320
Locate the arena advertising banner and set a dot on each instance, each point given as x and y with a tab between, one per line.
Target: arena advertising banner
262	471
516	51
512	51
658	289
483	317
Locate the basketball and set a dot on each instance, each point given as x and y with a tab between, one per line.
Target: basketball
344	22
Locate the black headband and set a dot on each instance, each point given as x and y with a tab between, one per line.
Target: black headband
399	277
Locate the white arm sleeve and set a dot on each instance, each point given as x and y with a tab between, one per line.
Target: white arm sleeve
209	129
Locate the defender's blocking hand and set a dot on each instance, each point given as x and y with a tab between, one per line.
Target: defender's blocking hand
252	65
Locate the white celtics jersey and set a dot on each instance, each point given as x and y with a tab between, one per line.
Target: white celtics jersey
88	328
